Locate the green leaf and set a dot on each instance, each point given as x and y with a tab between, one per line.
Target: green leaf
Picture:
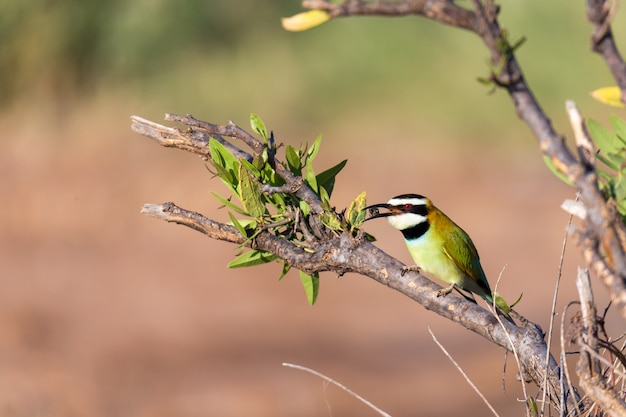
252	258
221	156
356	212
619	126
229	204
603	137
516	302
331	221
270	177
277	201
620	188
238	225
607	161
555	171
501	303
304	208
618	158
313	150
622	208
251	168
309	172
225	163
326	179
311	284
369	237
309	176
293	159
250	193
532	407
258	126
325	199
286	269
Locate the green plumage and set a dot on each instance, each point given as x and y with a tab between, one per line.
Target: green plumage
438	246
447	252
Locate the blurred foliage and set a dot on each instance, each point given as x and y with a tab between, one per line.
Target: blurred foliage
75	44
224	58
612	155
610	161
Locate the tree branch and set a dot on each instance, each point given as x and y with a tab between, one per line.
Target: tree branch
602	224
599	13
342	253
445	12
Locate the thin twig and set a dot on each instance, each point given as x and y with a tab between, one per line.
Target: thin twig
553	308
343	387
513	348
601	358
458	367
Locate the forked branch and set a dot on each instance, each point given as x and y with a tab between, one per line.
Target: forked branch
603	226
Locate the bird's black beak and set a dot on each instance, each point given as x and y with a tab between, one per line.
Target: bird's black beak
373	211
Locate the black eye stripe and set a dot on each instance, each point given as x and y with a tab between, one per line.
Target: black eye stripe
414	208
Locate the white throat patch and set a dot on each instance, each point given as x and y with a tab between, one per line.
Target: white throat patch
405	220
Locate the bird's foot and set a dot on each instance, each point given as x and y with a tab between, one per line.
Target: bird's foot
445	291
406	269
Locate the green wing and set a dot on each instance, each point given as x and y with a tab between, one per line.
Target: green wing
461	250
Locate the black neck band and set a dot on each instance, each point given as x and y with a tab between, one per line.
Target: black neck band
416	231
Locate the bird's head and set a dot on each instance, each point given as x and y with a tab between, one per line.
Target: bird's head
403	212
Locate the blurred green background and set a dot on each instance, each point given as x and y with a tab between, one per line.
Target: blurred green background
226	59
106	312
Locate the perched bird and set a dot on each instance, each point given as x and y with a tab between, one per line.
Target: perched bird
438	246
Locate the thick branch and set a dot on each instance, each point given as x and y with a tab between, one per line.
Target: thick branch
344	254
442	11
603	42
602	221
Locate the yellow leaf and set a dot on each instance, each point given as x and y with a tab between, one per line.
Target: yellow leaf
609	95
305	20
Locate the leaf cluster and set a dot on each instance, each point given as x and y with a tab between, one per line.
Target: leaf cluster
264	202
611	155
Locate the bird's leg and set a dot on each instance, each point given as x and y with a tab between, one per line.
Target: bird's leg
408	268
445	291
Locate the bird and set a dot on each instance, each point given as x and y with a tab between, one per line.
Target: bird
438	246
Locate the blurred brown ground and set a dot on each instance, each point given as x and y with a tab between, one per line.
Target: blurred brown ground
105	312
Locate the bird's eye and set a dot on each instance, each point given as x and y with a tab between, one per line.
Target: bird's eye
407	206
